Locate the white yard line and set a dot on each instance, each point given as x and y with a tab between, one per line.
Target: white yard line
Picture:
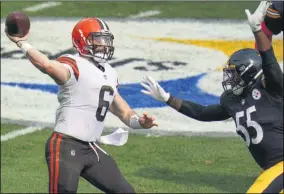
146	14
24	131
41	6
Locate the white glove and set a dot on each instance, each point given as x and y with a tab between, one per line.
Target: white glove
154	89
257	17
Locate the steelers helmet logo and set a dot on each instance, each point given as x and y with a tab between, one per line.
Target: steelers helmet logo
256	94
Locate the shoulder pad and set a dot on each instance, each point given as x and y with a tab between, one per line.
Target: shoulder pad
71	61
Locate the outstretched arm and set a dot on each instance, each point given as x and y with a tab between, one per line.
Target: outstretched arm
129	117
266	31
271	69
56	70
196	111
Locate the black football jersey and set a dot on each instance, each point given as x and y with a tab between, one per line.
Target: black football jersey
258	113
259	121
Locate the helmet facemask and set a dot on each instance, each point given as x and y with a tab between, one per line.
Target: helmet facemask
237	79
232	81
243	69
100	46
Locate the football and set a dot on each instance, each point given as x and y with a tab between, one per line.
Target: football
17	24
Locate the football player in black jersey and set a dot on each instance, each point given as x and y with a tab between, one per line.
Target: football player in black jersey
253	97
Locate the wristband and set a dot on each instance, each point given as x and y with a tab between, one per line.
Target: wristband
24	46
134	122
170	100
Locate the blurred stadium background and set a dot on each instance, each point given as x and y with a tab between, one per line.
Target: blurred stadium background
188	161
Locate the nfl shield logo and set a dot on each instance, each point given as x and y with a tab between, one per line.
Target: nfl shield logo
256	94
73	152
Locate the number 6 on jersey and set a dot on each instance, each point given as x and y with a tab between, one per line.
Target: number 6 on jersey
106	93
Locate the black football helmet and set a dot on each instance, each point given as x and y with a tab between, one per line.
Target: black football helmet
243	68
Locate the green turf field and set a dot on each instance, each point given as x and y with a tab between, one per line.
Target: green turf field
198	9
151	164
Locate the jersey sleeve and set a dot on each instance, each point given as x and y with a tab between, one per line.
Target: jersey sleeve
71	64
208	113
272	72
67	60
273	20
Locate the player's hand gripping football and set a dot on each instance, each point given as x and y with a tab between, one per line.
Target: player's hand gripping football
257	17
16	39
147	121
154	89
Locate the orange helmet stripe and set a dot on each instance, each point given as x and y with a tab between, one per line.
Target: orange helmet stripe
103	25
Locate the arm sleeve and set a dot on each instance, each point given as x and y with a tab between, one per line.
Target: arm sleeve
214	112
272	72
273	21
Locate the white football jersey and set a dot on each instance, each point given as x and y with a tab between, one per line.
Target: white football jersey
85	98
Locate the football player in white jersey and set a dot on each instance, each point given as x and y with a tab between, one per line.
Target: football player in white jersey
87	90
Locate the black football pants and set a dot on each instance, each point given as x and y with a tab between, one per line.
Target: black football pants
269	181
68	159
